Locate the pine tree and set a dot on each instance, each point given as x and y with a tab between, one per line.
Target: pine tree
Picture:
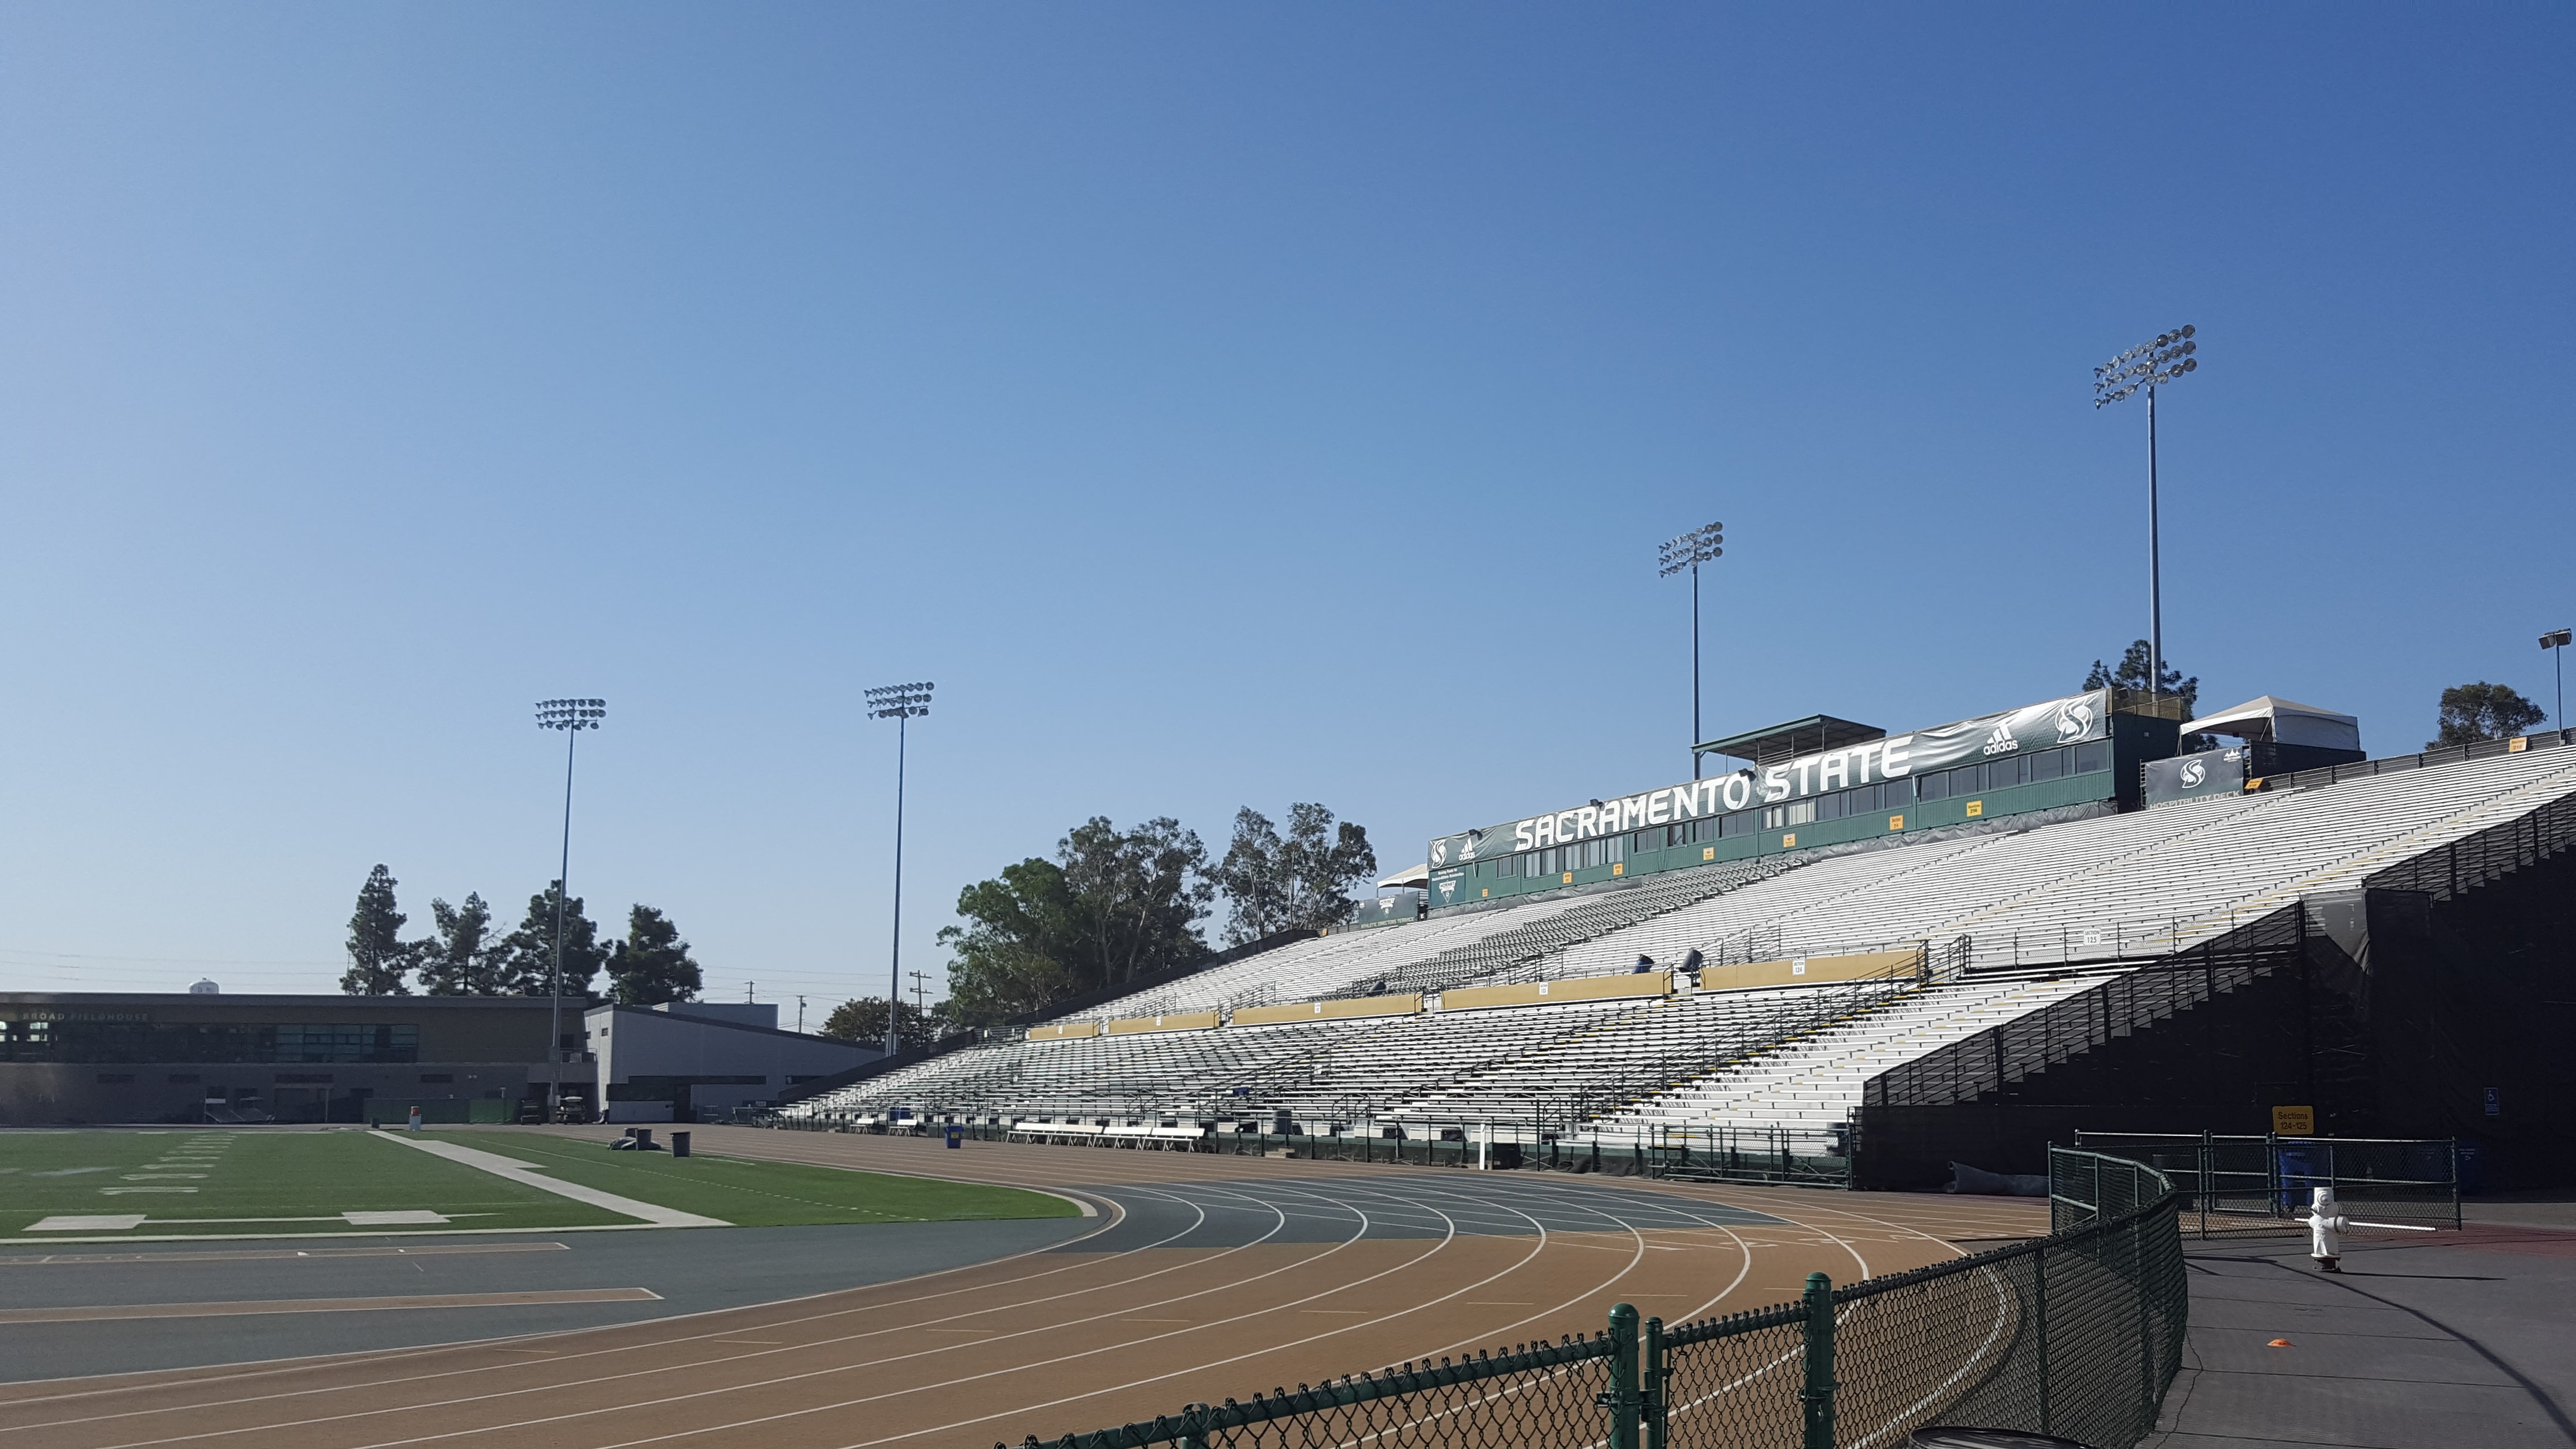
528	953
377	956
652	964
462	958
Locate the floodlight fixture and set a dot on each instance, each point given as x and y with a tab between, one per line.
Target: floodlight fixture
2157	362
571	716
902	703
1689	551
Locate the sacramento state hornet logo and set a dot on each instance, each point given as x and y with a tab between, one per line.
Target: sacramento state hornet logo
2193	772
2074	720
1440	852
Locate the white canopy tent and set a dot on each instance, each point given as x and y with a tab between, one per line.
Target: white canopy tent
1412	877
2283	722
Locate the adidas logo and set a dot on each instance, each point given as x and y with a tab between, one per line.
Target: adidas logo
2002	741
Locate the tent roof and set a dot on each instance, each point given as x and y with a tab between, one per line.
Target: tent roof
1417	876
2265	717
1797	737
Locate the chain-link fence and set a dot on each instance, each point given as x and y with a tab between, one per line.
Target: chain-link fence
2244	1186
2076	1334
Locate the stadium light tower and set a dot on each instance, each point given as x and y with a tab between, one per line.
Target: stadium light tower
2555	641
2151	364
571	716
901	703
1699	546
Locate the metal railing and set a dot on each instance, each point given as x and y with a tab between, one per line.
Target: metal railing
2077	1334
2238	1186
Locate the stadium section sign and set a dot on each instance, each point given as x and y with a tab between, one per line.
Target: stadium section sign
2067	721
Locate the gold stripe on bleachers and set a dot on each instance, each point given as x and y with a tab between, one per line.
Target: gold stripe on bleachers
1064	1030
1177	1021
1809	970
1402	1005
1540	993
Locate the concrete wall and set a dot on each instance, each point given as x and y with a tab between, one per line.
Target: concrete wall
655	1065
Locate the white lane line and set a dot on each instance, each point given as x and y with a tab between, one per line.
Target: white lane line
518	1172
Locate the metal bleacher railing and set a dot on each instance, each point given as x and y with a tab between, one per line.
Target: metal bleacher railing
2078	1334
2253	1186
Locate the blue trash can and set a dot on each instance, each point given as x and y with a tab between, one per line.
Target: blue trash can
956	1135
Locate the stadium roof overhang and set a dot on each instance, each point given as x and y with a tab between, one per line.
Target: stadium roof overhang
2282	721
1797	737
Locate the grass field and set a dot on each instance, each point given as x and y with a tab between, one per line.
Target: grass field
266	1182
763	1194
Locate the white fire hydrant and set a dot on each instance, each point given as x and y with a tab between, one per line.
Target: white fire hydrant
2324	1224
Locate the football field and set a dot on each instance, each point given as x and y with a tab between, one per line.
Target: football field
91	1186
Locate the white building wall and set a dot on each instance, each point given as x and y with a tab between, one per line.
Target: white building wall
635	1042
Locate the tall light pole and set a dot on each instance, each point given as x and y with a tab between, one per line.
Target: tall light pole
901	703
571	716
1699	546
2150	365
2555	641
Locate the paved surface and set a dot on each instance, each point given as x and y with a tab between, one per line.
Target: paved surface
2448	1342
1204	1276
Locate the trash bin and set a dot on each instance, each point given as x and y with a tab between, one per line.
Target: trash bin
679	1144
956	1135
1948	1437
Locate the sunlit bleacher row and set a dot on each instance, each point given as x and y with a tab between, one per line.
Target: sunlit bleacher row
1914	946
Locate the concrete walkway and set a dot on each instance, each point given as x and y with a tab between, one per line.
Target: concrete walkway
2462	1339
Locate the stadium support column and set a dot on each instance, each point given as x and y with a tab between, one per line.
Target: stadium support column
1689	551
901	703
2555	641
2161	359
571	716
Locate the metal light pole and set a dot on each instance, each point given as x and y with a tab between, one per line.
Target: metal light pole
1699	546
2150	365
901	703
572	716
2555	641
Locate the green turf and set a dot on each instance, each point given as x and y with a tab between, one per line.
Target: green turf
763	1194
184	1178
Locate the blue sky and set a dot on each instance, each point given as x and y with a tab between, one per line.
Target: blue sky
1225	406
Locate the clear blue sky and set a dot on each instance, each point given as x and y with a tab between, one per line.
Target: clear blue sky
1225	406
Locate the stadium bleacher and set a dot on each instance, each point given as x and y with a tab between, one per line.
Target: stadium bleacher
1996	925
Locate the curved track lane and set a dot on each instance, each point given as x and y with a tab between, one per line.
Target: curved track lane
1206	1276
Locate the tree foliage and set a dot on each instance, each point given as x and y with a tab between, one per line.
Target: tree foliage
377	956
1113	906
1140	893
527	967
462	957
2483	711
1300	882
652	965
2132	674
864	1021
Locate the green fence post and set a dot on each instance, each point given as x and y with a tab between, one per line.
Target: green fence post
1651	1384
2455	1184
1194	1427
1623	1377
1818	1395
2039	1296
2147	1395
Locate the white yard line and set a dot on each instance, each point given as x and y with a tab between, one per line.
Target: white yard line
519	1172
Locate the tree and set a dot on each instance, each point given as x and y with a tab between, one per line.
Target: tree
462	958
2132	675
864	1021
2483	711
652	965
1141	894
528	953
377	956
1298	883
1019	948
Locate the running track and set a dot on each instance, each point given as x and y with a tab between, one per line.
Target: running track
1204	1276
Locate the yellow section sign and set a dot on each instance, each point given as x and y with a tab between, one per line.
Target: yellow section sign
2294	1121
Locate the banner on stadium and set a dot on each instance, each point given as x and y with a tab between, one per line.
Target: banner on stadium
2072	720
